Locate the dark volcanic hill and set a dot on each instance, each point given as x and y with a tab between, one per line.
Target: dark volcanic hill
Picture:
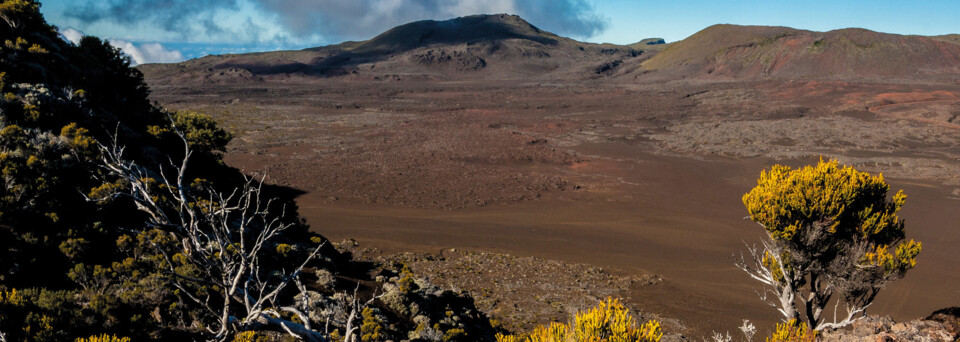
782	52
480	46
507	47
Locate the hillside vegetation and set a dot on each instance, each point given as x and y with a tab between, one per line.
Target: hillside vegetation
119	221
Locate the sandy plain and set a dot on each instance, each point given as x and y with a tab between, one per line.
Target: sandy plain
635	177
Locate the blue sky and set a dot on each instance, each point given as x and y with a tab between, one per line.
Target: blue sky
677	19
170	30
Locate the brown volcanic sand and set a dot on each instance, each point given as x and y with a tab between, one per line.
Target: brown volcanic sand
640	177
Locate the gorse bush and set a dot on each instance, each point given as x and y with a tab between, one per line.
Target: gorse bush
826	198
372	328
201	132
103	338
833	235
609	321
793	331
250	336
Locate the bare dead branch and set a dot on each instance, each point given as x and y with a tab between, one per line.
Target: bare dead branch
222	234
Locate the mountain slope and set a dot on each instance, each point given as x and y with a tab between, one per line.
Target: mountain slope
761	51
507	47
470	30
479	46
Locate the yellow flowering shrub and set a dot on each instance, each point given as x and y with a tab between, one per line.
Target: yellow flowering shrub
103	338
36	48
14	12
372	328
793	332
77	137
833	233
838	203
250	336
609	321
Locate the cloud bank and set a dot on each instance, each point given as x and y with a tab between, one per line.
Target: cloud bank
186	17
139	53
247	21
71	35
147	52
360	19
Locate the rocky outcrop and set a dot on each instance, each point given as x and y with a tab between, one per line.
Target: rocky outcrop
653	41
942	325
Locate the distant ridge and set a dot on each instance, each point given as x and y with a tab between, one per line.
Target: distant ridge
503	46
479	46
766	51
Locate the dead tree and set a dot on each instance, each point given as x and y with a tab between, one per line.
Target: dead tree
224	235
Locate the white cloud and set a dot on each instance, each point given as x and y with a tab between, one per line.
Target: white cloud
139	53
478	7
362	19
312	21
147	52
71	35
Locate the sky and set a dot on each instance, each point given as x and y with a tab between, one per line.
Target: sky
174	30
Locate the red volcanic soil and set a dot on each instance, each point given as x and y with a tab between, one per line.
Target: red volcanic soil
642	179
630	160
940	108
931	104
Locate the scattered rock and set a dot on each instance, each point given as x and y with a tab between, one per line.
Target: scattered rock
519	293
884	329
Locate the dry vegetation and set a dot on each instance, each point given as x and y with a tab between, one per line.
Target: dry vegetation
519	292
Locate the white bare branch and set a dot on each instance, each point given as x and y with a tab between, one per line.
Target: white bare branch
748	330
783	283
778	284
222	234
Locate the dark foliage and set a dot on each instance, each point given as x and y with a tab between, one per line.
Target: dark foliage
77	260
